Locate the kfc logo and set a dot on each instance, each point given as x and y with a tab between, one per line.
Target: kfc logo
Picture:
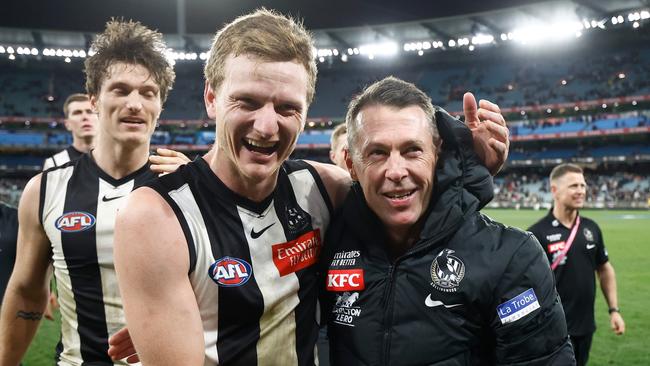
345	280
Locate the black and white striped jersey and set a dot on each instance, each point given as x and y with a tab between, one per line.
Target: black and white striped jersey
78	204
62	157
252	263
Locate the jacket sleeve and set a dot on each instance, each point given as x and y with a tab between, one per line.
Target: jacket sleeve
529	322
458	144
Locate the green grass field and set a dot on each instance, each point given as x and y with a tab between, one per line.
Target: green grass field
627	237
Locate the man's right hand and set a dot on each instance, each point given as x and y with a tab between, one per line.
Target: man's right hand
121	346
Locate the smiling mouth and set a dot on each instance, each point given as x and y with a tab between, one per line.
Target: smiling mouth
399	195
132	120
262	147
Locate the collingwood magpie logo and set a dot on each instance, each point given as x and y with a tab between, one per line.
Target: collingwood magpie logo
588	234
447	270
297	219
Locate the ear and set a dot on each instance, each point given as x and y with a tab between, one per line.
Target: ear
210	99
67	125
93	104
348	163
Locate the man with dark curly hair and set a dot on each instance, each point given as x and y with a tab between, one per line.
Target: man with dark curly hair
67	213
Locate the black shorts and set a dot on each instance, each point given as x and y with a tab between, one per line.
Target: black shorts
581	347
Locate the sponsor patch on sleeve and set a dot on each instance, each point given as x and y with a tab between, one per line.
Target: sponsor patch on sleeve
518	307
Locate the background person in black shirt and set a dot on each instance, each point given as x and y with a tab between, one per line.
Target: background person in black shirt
573	267
8	238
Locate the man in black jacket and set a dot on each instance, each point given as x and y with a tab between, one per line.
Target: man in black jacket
414	274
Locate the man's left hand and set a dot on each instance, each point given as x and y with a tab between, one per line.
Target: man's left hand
617	323
167	161
489	131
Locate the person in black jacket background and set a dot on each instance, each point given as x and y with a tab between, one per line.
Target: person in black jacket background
414	274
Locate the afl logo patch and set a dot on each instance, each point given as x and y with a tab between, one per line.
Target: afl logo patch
71	222
230	272
447	270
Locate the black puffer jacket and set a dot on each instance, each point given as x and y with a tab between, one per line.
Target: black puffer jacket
471	291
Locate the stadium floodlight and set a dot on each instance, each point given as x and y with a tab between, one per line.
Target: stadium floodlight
549	110
350	51
482	39
10	50
557	31
604	105
379	49
12	57
645	14
576	108
614	20
321	59
344	57
634	102
635	25
426	45
203	55
82	53
335	52
621	75
2	49
471	47
420	53
34	51
452	43
620	19
563	82
504	37
67	59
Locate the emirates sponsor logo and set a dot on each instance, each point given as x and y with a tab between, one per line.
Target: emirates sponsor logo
345	280
297	254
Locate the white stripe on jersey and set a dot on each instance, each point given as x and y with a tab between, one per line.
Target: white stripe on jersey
278	323
57	159
105	229
55	194
206	293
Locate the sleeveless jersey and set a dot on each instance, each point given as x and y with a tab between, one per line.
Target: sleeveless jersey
62	157
78	204
252	264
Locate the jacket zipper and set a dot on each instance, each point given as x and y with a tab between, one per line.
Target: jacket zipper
388	315
388	294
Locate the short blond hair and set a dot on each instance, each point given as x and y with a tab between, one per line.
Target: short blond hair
76	97
338	131
267	35
563	169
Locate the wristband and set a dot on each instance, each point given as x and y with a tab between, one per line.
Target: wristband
614	310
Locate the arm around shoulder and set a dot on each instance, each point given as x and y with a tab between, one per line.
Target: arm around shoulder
152	262
26	294
529	320
336	180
